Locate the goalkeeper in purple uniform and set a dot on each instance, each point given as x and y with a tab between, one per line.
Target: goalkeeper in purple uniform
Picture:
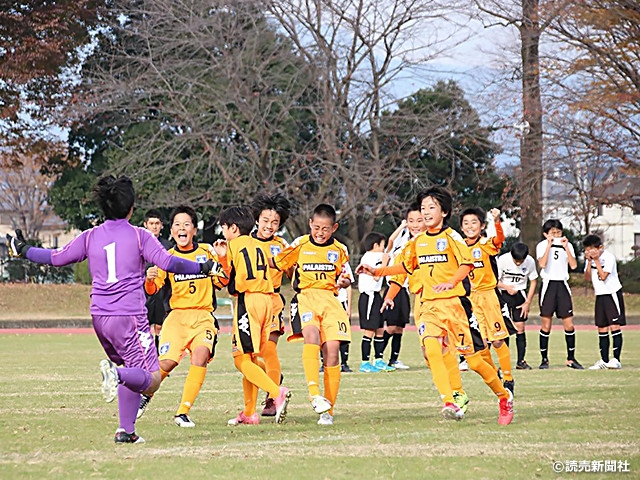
117	253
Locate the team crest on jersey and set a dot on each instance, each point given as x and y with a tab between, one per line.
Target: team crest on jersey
306	317
477	253
332	256
163	349
201	259
421	329
441	244
275	250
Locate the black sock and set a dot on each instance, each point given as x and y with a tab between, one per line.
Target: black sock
617	344
396	342
521	346
603	343
385	340
344	352
570	339
365	347
506	340
156	340
378	346
544	344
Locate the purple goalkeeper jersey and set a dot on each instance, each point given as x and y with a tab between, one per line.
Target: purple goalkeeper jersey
117	252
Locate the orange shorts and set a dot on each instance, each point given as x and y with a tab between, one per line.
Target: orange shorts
452	317
186	330
251	323
322	309
486	307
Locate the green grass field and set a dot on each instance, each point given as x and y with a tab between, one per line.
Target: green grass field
56	425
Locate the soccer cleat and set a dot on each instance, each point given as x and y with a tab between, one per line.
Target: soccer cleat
344	368
614	364
523	365
144	403
509	385
124	437
506	409
281	403
183	421
599	365
367	367
325	419
544	365
269	409
463	366
110	380
574	364
242	419
451	411
461	400
320	404
398	365
383	366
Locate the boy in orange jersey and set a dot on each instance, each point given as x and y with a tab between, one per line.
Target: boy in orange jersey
485	298
320	271
441	260
190	324
270	213
244	260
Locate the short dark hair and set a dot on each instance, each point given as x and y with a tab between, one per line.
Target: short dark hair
276	202
371	239
442	196
324	210
413	207
241	217
551	223
477	211
592	241
115	196
184	209
153	213
519	251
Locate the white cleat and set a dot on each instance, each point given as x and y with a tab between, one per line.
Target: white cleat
599	365
614	364
399	365
110	380
325	419
183	421
320	404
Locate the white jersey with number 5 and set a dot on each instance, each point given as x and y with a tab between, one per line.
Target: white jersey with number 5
557	263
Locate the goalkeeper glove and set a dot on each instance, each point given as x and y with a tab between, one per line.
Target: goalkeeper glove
17	245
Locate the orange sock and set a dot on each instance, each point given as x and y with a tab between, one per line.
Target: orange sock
504	359
477	364
260	362
486	355
451	362
311	365
254	374
332	377
273	368
439	372
191	389
250	393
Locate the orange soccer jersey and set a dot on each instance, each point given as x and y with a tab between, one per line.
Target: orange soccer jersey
247	266
401	278
484	275
318	266
434	258
273	246
189	291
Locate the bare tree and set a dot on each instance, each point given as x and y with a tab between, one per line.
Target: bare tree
24	189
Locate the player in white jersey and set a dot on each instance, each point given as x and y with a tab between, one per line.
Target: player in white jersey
601	268
344	297
555	255
515	269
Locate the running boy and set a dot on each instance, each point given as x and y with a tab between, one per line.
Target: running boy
270	213
190	325
485	298
117	252
320	270
601	268
370	301
442	260
514	268
555	254
245	261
